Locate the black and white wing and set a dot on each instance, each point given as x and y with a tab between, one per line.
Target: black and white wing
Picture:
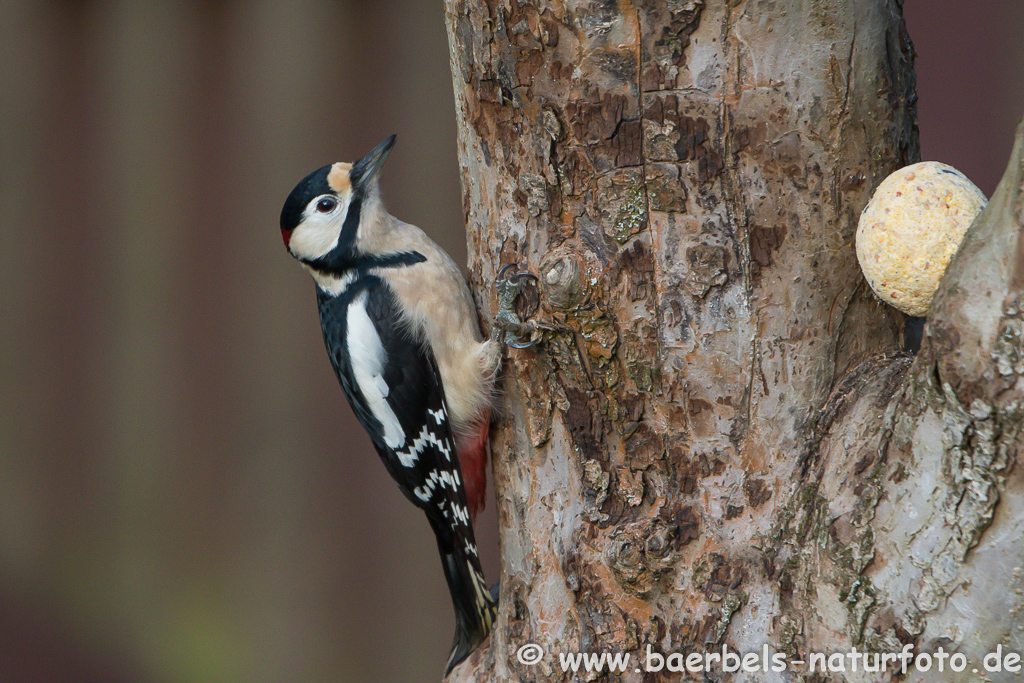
393	384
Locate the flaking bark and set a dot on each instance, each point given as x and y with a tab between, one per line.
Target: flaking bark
717	439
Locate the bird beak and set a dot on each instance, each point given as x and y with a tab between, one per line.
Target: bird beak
366	169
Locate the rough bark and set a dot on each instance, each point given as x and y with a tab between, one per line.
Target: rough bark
717	440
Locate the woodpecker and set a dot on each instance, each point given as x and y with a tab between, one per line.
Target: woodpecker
402	335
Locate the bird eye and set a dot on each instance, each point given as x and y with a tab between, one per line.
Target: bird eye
326	205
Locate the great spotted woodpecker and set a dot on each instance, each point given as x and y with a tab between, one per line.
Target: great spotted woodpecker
402	335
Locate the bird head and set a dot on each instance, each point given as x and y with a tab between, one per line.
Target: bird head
321	217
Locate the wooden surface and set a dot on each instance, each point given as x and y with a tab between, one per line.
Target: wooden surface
685	180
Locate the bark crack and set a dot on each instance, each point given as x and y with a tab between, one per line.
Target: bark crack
849	73
734	204
659	338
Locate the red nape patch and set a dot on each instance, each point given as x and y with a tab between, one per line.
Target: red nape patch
286	235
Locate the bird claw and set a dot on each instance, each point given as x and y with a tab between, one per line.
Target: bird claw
513	341
506	320
515	277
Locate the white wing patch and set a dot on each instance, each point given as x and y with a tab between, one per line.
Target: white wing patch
368	360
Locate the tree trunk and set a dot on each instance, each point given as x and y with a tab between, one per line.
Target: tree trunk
717	440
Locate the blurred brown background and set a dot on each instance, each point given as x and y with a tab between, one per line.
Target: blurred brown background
184	495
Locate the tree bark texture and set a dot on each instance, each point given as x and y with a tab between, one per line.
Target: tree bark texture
717	440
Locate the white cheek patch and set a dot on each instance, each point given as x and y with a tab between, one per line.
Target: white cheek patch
318	233
368	360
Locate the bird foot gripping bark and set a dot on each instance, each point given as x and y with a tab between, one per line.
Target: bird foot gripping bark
507	324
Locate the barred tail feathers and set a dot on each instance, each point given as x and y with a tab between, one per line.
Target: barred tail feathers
474	608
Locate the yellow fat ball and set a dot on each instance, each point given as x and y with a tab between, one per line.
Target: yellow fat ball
910	230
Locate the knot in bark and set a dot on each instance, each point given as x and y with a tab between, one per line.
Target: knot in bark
639	553
562	275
